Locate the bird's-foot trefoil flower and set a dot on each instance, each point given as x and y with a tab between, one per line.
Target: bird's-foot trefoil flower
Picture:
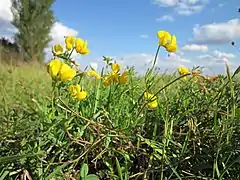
77	92
57	49
81	46
152	100
70	42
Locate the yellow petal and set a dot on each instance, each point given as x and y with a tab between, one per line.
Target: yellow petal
171	48
66	73
116	67
114	77
124	78
173	40
106	81
81	46
70	42
79	42
54	67
57	49
81	95
164	38
153	104
183	70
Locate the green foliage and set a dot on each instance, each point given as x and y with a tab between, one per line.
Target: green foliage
194	133
33	20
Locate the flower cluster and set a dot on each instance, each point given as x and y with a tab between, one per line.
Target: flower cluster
115	76
62	71
167	41
71	43
93	73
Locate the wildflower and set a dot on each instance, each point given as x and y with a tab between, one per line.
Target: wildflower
66	73
164	38
153	100
81	46
123	78
115	68
114	77
106	81
81	95
183	71
93	73
77	93
172	46
57	49
54	67
70	42
74	89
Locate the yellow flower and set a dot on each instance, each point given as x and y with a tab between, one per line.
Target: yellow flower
54	67
66	73
153	104
81	46
57	49
182	71
115	67
164	38
106	81
172	46
114	77
153	100
70	42
123	78
93	73
81	95
75	91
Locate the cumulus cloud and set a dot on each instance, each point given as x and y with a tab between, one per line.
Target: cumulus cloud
218	57
195	48
183	7
165	18
217	33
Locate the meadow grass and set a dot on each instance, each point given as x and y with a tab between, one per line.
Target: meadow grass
194	133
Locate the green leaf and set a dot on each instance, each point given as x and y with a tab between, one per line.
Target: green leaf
92	177
119	169
56	171
4	175
84	170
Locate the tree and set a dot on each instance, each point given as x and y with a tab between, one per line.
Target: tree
34	20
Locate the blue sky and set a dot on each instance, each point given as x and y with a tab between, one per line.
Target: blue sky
127	30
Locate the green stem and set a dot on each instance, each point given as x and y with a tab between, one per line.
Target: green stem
154	62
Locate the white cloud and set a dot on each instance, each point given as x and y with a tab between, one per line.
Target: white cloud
195	48
144	36
218	57
58	32
183	7
165	18
5	10
217	33
219	54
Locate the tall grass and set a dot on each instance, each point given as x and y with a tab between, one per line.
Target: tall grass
194	133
